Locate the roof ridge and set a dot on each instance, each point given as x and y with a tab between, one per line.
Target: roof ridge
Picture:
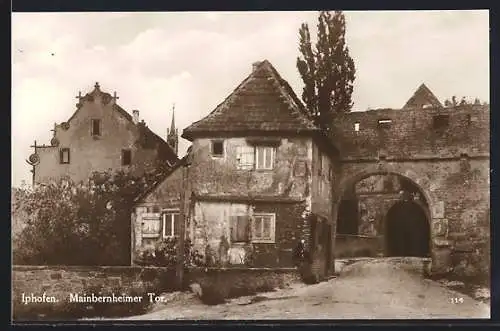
295	105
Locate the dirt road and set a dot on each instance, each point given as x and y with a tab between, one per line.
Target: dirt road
374	289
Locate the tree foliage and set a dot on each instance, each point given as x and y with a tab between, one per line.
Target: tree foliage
328	71
78	223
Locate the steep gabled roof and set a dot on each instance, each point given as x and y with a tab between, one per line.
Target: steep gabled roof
423	96
263	102
150	138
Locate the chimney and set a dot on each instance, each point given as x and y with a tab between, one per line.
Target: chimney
255	65
135	118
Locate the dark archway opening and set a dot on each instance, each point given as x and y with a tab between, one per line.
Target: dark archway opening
407	230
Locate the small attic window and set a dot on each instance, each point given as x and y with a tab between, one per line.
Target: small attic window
384	123
440	121
356	126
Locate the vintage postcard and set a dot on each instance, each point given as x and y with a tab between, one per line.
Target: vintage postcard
250	165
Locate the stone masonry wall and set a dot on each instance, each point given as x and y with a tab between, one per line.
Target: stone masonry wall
60	281
411	134
449	165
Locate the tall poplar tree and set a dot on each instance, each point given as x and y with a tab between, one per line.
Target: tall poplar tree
328	71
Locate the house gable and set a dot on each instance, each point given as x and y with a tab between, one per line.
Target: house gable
423	98
262	103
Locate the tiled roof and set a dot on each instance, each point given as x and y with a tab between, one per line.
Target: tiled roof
263	102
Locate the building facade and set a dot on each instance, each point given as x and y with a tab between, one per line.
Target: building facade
387	182
415	182
259	180
99	136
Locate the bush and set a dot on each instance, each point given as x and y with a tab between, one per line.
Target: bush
164	254
77	223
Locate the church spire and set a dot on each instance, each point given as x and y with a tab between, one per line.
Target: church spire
172	125
172	133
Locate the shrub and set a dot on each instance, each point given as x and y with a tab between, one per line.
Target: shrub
165	254
77	223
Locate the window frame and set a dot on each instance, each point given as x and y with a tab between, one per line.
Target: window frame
92	127
240	150
384	123
61	155
172	213
217	156
151	217
271	240
124	150
273	153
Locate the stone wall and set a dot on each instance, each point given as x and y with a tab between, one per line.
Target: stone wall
449	165
411	134
357	246
60	281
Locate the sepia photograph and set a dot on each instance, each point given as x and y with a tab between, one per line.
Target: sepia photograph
252	165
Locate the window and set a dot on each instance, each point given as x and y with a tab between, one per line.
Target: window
263	228
217	148
64	155
126	157
95	129
384	123
440	121
264	157
245	155
171	224
150	225
356	126
239	228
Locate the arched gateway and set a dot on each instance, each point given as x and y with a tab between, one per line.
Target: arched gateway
383	213
407	230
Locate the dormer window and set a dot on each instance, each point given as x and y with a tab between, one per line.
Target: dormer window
217	148
95	128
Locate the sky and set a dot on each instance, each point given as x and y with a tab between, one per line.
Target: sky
195	59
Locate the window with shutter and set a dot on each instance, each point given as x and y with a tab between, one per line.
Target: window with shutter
239	229
264	228
150	225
